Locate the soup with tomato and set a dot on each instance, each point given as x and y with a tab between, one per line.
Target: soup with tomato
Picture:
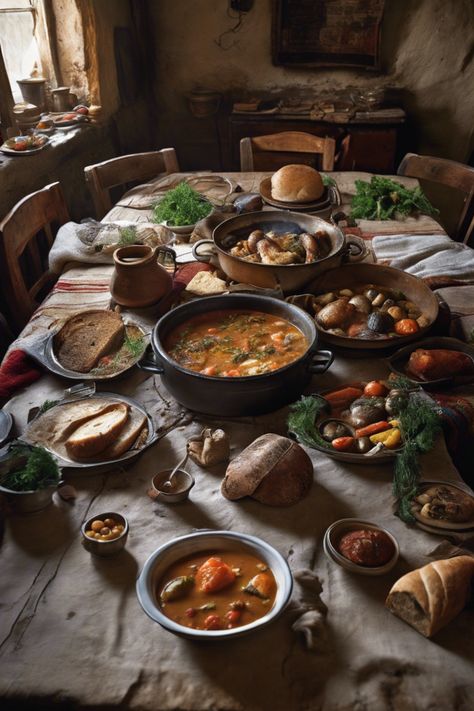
217	591
234	343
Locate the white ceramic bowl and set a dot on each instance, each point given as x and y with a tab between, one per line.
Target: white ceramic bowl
346	525
213	541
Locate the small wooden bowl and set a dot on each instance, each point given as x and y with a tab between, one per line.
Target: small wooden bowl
346	525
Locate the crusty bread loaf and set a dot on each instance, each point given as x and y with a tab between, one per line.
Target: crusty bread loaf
431	364
273	469
297	183
127	436
87	337
97	434
430	597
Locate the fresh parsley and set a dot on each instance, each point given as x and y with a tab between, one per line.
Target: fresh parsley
383	198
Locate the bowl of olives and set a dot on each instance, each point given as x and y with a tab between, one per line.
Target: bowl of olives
105	534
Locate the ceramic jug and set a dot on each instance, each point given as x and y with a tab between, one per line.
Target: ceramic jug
138	279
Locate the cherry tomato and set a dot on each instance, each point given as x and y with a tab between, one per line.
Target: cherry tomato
213	622
232	617
375	388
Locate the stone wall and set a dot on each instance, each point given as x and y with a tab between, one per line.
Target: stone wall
427	51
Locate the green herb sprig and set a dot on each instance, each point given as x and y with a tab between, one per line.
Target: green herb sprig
302	418
128	236
181	206
382	198
420	423
33	469
135	346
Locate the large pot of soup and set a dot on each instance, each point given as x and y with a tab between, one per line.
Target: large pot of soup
236	354
275	248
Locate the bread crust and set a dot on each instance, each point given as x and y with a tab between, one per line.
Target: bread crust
273	469
98	433
440	590
296	183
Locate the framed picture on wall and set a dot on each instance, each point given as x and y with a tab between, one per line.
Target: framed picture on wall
326	33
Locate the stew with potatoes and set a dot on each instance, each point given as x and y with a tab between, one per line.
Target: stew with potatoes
235	343
217	591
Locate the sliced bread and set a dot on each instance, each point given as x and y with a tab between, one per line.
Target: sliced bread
95	435
87	337
127	436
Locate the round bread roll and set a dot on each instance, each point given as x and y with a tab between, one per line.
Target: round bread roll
273	469
297	183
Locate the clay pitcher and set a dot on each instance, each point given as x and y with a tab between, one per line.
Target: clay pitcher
138	280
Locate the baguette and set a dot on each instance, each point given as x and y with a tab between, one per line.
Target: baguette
94	436
430	597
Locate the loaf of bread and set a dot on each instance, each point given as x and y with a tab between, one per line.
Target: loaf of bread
439	363
126	437
97	434
273	469
296	183
87	337
430	597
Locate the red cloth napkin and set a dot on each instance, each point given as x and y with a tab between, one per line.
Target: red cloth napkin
17	371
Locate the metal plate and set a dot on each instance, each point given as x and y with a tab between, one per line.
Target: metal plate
440	526
127	457
5	148
6	424
43	352
399	360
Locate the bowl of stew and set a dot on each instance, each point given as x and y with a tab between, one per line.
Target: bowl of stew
214	585
238	354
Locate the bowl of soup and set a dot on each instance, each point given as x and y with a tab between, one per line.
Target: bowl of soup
237	354
214	585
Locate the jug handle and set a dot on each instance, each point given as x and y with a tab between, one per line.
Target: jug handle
166	251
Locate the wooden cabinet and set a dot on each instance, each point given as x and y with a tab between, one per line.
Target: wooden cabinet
369	146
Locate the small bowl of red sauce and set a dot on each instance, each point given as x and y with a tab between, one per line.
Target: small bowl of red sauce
361	547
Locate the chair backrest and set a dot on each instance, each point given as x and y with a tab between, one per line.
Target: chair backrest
256	153
26	236
125	171
450	174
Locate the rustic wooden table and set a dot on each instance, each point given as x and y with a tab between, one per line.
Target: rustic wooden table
72	632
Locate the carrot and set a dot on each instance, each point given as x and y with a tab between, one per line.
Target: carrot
346	394
375	427
232	373
214	575
342	444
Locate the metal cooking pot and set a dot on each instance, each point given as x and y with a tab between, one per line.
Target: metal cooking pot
246	395
289	277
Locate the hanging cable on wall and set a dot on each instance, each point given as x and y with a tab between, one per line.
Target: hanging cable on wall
236	11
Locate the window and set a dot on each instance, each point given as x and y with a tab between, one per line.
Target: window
18	22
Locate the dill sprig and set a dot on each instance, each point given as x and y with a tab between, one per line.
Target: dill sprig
135	346
181	206
302	418
128	236
420	424
382	198
31	468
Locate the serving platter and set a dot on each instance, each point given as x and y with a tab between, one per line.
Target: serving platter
43	352
328	414
398	361
77	120
330	197
439	526
77	395
8	150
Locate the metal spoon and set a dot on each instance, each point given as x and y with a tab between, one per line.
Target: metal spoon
168	483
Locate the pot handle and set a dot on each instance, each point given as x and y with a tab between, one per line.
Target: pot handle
320	361
356	249
207	255
151	363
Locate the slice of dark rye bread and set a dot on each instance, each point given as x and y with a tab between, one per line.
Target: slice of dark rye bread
86	337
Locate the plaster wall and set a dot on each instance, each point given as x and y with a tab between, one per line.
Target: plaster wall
427	53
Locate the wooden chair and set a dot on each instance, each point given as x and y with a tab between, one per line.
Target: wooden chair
26	236
126	171
456	180
275	150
